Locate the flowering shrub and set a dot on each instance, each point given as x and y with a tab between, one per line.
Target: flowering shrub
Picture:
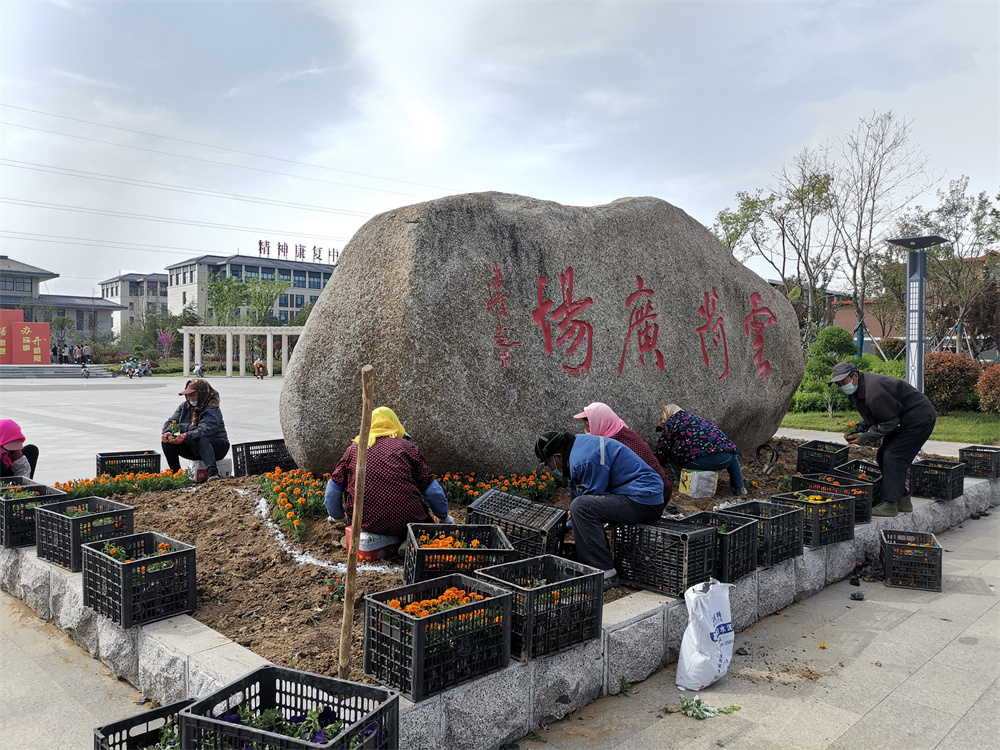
293	495
950	380
445	542
988	388
464	488
121	484
453	597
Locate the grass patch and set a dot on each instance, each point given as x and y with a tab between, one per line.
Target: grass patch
971	427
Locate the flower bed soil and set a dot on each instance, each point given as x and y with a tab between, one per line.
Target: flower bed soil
251	591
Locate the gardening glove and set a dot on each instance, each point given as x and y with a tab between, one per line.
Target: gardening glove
448	519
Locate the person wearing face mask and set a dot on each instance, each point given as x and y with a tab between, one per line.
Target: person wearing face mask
609	483
16	458
894	412
600	419
200	432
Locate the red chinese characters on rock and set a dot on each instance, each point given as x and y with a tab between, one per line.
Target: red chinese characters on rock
758	319
496	304
641	321
715	328
573	331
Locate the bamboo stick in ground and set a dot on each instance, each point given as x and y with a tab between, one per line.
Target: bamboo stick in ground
347	624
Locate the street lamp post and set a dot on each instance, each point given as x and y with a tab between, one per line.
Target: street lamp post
916	306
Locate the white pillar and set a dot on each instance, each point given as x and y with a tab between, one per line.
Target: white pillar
284	354
187	354
197	347
229	354
243	354
270	355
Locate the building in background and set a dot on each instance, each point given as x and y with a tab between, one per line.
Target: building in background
137	294
19	290
187	281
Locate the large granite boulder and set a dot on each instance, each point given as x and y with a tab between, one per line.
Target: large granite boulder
490	318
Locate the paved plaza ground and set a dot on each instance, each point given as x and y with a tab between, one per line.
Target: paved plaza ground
902	669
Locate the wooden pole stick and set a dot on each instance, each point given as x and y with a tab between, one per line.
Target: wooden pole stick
347	624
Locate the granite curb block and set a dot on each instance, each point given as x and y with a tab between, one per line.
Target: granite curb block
167	660
180	656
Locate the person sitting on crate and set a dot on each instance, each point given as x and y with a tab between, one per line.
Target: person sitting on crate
16	458
692	442
600	419
396	476
894	412
196	429
609	483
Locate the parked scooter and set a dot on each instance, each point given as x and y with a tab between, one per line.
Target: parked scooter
85	372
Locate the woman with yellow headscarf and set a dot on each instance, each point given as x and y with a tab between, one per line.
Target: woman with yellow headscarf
397	481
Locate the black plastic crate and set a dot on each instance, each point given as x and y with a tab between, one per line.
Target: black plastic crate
911	559
826	521
557	603
423	563
129	462
532	528
140	731
866	471
667	557
779	530
423	656
371	713
735	543
819	456
260	457
58	537
17	515
980	461
944	480
131	593
861	490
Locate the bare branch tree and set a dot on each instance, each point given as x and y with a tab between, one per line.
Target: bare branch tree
879	171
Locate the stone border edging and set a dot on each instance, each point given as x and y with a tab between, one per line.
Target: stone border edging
181	657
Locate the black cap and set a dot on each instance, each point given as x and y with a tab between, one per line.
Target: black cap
547	445
843	370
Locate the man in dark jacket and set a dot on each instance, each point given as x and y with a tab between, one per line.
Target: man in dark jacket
896	413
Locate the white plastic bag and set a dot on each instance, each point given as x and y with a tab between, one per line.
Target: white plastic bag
707	647
697	483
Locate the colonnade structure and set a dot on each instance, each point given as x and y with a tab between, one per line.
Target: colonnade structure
285	332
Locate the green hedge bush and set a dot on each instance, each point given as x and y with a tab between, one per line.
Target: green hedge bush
988	388
950	381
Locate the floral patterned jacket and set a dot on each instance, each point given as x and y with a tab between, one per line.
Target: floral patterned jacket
687	437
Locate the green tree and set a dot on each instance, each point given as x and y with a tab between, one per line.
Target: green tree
260	298
789	228
958	271
225	298
302	315
60	328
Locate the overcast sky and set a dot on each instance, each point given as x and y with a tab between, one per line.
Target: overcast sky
349	109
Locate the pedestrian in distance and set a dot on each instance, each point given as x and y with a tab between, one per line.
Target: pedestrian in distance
608	483
692	442
894	412
196	430
87	354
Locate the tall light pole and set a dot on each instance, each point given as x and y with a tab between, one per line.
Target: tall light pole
916	306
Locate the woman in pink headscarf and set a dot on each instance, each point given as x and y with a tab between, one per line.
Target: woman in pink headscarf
16	458
600	420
